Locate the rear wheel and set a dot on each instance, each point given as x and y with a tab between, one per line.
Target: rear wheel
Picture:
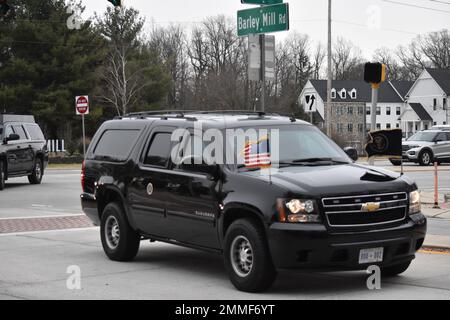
425	158
247	257
2	175
38	171
120	242
395	270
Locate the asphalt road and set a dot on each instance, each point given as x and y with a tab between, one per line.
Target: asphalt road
37	266
37	269
60	191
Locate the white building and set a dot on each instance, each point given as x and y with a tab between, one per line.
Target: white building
391	100
427	102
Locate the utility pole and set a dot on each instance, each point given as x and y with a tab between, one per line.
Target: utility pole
262	38
330	75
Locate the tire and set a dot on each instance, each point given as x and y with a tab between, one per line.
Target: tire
120	242
395	270
258	273
395	162
38	172
2	175
425	158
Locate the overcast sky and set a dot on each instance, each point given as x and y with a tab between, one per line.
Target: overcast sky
397	24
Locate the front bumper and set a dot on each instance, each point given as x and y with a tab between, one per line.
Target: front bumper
313	247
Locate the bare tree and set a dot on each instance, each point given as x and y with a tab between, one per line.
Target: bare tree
347	60
123	81
436	48
394	69
318	59
170	45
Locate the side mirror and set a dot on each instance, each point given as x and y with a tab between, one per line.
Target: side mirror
12	137
194	164
352	153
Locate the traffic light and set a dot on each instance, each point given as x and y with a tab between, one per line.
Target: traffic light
116	3
374	73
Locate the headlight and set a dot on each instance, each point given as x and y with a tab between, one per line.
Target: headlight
298	211
415	205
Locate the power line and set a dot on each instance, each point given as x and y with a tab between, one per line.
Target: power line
415	6
438	1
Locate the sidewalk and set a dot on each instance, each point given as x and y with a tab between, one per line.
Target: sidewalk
434	241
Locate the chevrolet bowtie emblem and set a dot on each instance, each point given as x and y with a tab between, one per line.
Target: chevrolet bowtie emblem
370	207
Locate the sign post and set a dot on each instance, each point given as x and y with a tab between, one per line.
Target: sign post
271	16
375	74
82	108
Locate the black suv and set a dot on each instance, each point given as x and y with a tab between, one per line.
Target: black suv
23	149
314	209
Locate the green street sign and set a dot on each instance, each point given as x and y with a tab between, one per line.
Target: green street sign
263	20
262	2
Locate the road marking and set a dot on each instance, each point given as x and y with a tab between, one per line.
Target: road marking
435	251
46	231
48	216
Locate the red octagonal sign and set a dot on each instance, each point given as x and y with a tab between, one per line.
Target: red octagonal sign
82	105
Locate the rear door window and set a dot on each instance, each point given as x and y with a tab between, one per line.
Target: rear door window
115	145
18	129
159	150
35	132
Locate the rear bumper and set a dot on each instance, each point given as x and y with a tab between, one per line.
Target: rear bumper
313	247
90	208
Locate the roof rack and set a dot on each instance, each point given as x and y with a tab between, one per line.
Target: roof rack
163	114
184	114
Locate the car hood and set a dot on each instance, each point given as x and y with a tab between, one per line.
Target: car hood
336	180
417	143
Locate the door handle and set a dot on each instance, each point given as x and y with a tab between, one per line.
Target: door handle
173	186
138	180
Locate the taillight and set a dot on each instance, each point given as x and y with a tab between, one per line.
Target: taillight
83	175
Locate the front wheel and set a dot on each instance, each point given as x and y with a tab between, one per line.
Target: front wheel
120	242
247	257
395	270
425	158
38	171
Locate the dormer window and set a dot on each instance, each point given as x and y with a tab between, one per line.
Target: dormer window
333	93
353	94
343	94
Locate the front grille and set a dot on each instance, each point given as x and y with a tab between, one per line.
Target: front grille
347	211
405	148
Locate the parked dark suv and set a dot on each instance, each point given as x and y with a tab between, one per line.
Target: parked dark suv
23	149
311	208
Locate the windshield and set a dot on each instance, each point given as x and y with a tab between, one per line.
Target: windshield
296	144
423	136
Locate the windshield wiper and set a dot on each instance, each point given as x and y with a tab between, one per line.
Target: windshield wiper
319	160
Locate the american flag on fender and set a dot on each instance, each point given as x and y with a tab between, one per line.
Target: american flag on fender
257	154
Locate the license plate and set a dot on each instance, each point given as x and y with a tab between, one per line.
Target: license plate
371	255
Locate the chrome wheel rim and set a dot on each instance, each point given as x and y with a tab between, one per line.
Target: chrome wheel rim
426	158
112	232
241	256
38	170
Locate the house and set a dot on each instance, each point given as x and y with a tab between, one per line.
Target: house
351	106
427	102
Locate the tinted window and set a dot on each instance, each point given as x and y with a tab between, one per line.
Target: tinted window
443	136
18	129
116	145
159	151
35	132
8	131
